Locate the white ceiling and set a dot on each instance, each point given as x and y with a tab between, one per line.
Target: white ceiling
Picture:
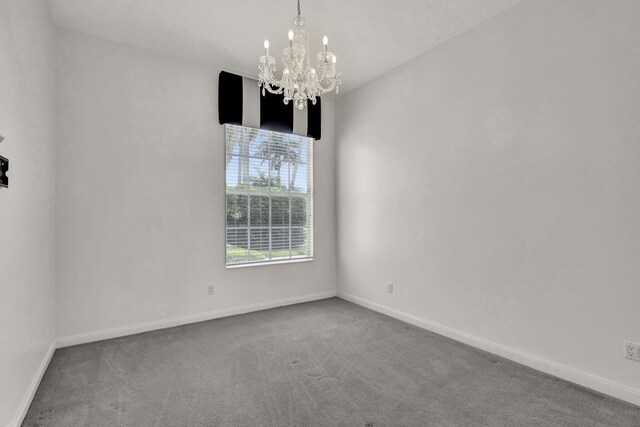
369	37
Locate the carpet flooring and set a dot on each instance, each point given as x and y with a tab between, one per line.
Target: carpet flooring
324	363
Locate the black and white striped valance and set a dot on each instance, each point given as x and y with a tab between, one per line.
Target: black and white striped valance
240	102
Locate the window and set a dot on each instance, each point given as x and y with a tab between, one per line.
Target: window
269	196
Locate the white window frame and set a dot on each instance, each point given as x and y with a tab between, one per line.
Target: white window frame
249	192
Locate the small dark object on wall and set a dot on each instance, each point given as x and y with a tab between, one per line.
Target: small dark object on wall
4	167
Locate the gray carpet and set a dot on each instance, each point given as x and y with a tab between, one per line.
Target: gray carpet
325	363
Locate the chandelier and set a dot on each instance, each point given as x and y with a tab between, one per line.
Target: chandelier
299	80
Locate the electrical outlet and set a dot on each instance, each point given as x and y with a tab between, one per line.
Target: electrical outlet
390	288
210	289
632	351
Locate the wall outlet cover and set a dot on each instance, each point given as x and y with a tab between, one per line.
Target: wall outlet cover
632	351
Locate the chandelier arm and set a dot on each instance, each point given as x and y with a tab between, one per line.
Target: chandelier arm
324	75
277	91
329	88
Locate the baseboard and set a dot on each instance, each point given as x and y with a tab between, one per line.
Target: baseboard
33	387
556	369
183	320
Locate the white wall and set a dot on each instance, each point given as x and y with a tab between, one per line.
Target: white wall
140	194
26	207
495	180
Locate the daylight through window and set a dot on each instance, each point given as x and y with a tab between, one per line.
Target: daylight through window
269	196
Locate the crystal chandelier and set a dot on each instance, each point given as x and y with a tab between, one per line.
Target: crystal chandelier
299	80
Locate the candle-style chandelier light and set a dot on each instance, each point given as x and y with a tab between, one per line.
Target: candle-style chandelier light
299	80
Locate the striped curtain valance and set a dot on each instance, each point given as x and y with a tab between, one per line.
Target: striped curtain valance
240	102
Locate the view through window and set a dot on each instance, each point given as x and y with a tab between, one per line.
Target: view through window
269	196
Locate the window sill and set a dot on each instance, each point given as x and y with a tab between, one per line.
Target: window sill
256	264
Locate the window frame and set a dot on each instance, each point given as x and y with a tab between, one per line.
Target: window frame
308	197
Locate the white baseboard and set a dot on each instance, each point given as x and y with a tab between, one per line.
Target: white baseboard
183	320
570	374
33	387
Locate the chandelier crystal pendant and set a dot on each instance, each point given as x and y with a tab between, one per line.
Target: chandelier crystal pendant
299	80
